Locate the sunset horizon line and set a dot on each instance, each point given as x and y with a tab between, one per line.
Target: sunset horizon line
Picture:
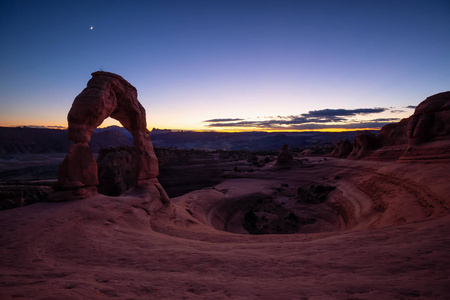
337	129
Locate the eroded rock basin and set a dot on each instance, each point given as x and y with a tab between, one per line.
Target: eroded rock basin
323	194
382	233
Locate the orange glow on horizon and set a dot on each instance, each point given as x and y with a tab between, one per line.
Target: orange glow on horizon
272	130
229	130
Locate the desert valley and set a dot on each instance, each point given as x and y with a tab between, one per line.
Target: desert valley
347	216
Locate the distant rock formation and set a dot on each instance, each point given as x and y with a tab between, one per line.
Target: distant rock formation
32	140
108	138
343	149
285	157
307	152
425	134
106	95
116	170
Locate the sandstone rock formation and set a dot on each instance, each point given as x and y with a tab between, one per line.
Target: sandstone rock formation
285	157
77	174
116	170
106	95
394	134
430	120
363	143
426	133
343	149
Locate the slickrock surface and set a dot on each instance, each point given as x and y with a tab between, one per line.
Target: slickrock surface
383	233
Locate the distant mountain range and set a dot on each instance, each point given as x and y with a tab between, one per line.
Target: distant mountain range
38	140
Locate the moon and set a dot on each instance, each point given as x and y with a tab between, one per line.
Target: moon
92	27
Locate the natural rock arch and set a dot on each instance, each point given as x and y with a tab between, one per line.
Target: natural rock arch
106	95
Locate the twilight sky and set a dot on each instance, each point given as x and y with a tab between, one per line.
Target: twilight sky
228	65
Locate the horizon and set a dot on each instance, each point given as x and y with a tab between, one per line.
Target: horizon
228	66
324	130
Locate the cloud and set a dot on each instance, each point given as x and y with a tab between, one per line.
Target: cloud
411	106
397	111
331	113
42	126
316	119
267	125
236	124
390	120
223	120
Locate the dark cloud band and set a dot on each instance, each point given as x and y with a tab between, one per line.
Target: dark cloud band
316	119
344	112
222	120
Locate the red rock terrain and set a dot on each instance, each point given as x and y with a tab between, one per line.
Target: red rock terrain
383	233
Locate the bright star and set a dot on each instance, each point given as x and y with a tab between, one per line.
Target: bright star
92	27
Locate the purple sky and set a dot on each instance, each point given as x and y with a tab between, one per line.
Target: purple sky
264	64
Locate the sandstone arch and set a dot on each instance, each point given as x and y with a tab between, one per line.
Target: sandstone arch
106	95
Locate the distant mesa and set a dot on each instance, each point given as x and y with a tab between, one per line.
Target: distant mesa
106	95
160	131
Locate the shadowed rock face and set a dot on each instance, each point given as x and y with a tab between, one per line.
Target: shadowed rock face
106	95
394	134
364	142
343	149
